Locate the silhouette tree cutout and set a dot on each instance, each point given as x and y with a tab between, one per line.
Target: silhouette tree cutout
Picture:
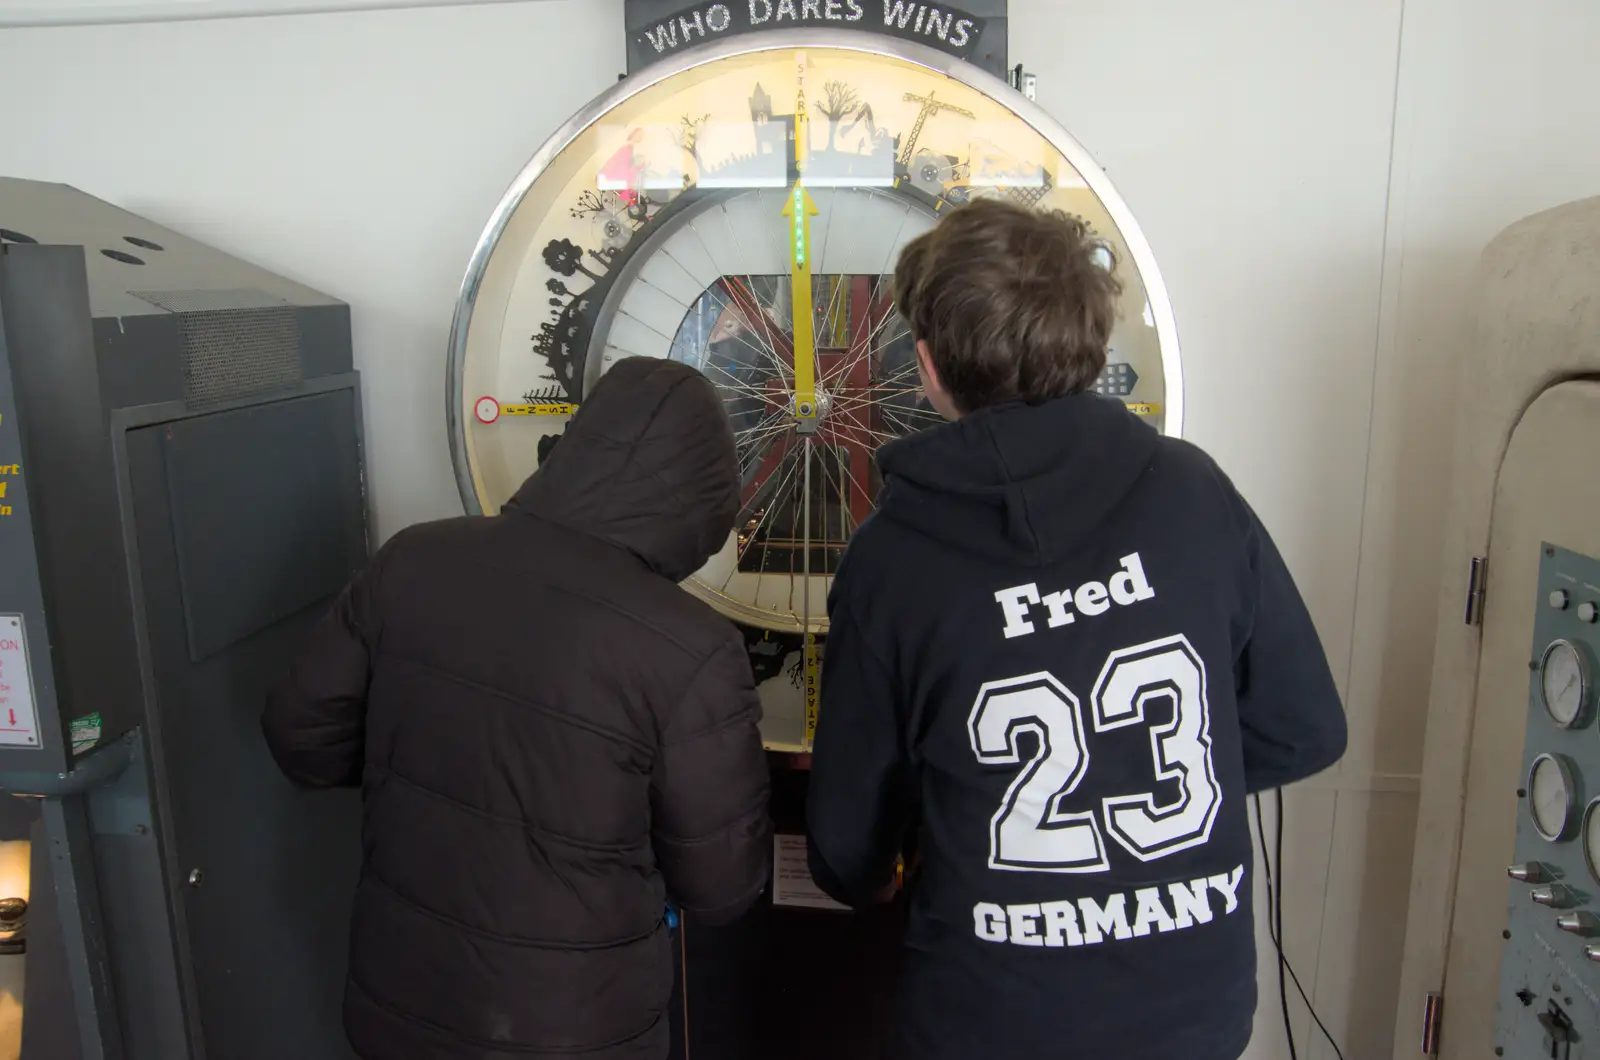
687	135
840	100
565	258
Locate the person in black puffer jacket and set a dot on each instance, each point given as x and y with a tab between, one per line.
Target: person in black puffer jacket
552	740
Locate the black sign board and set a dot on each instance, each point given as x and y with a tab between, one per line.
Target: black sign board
975	31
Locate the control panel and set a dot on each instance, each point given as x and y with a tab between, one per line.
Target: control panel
1549	1003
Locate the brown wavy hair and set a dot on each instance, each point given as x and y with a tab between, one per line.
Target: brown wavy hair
1014	303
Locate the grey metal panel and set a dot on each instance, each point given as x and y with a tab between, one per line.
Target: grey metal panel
325	340
211	301
141	360
267	924
77	891
1543	969
71	490
58	214
144	971
50	1027
137	914
993	50
20	589
989	52
266	513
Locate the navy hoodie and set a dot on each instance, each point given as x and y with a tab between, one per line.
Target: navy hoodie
1060	656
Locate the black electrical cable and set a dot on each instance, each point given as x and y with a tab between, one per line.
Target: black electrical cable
1275	930
1274	916
1275	901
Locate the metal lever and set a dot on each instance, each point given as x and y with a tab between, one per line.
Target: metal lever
1582	923
1557	1031
1531	872
1555	895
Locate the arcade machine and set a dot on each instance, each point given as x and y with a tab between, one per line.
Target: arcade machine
738	203
180	496
1503	939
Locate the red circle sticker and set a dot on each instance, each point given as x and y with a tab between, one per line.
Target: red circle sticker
488	410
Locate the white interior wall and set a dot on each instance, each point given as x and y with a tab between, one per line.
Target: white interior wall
1318	300
359	153
1497	118
1252	139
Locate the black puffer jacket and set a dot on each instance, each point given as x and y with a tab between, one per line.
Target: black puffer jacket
552	739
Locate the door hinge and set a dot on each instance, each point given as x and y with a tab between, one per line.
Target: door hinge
1477	581
1432	1011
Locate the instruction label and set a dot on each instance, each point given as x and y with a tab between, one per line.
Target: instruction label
7	470
19	720
791	878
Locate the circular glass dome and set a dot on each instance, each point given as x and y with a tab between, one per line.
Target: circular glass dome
741	208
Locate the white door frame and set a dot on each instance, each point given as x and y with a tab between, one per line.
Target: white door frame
1538	324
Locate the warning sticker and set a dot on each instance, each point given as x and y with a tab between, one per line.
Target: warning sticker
19	722
86	732
791	879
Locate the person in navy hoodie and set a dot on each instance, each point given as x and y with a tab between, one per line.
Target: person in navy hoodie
1061	655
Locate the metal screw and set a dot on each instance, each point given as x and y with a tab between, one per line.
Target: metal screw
195	876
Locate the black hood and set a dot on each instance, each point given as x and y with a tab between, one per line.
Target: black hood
648	464
1018	483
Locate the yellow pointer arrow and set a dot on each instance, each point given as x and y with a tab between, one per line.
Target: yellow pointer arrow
800	208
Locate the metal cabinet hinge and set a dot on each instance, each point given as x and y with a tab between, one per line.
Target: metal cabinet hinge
1477	581
1024	82
1432	1011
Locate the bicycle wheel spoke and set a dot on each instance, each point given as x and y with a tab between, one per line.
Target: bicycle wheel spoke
806	485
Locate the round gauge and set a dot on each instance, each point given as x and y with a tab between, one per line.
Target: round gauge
488	410
1565	685
1591	838
1552	796
742	208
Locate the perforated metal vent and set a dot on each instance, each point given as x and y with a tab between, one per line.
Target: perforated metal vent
234	342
